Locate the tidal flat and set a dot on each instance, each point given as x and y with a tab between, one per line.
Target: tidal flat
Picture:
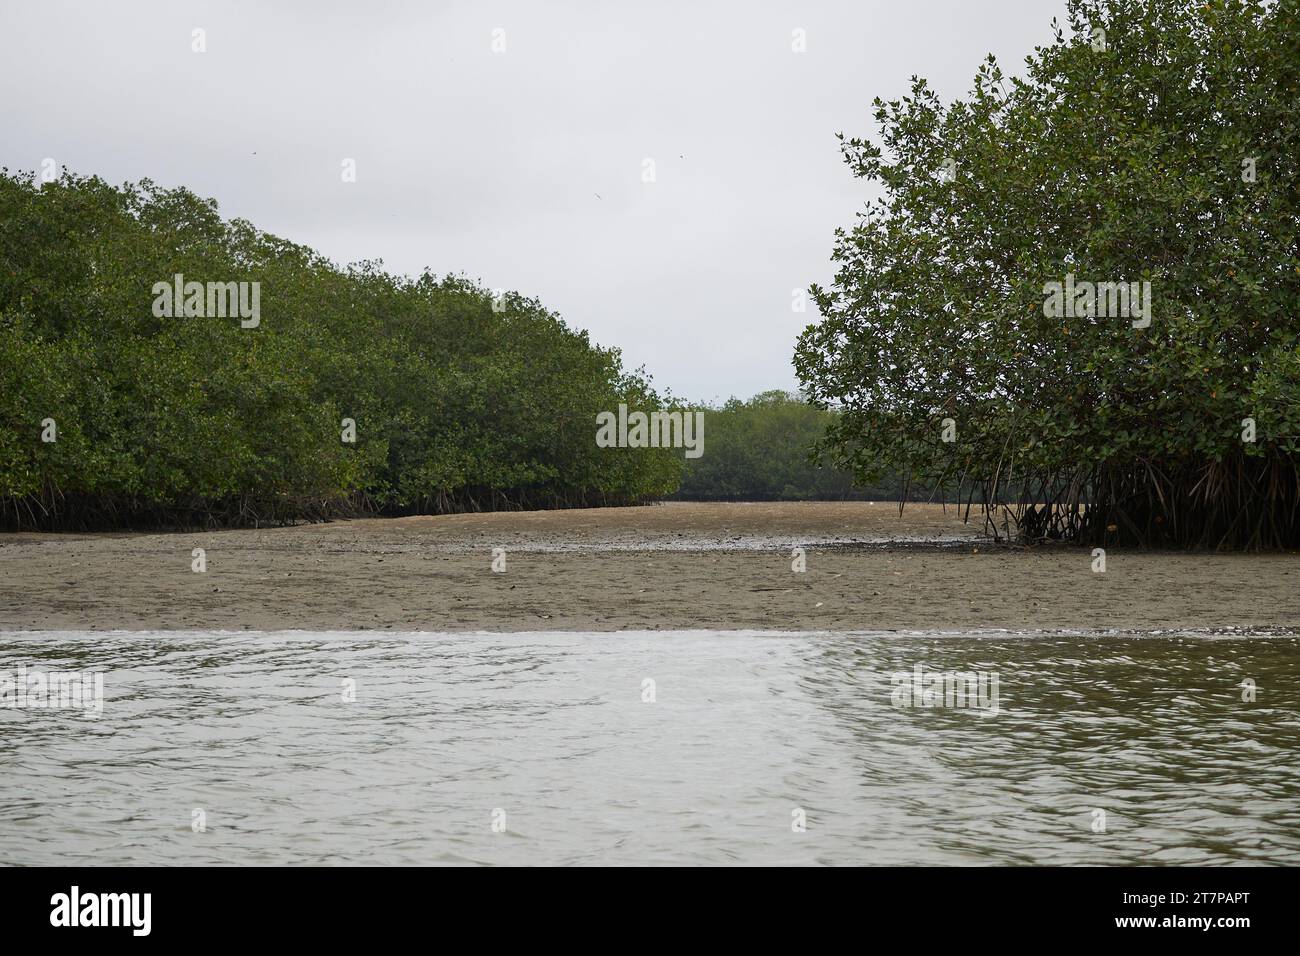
666	566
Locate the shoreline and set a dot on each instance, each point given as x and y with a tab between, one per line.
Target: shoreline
671	566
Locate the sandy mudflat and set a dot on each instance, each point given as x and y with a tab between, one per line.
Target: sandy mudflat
661	566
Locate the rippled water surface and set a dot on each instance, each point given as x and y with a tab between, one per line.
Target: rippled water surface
551	737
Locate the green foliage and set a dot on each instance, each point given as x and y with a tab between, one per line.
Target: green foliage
196	420
1117	165
760	450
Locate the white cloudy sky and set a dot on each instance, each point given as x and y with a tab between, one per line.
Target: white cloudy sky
490	163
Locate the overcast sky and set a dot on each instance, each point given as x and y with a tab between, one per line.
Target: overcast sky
491	163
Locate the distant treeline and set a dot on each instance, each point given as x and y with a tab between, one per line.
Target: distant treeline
759	450
116	412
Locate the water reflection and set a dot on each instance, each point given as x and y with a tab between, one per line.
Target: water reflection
746	735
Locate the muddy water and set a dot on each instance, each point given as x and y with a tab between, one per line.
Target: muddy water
665	747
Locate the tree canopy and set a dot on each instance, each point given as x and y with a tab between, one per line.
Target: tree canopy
111	414
1151	141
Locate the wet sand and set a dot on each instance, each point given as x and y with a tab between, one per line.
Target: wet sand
677	565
